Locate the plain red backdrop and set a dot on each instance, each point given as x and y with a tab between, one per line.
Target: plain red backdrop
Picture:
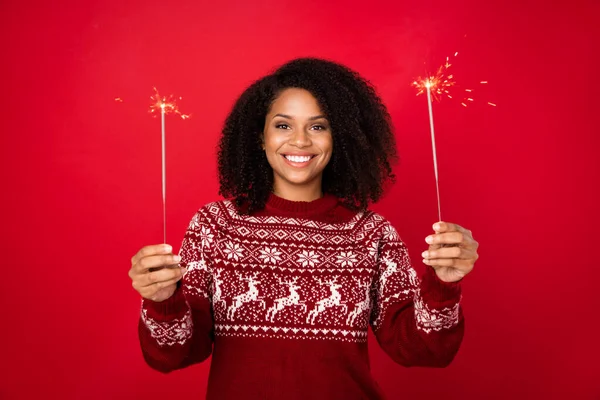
82	189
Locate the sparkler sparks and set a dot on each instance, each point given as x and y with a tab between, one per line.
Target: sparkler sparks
442	82
165	104
439	84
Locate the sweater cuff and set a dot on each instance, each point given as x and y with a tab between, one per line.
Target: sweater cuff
434	290
166	310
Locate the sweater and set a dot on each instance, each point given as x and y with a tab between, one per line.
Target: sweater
283	298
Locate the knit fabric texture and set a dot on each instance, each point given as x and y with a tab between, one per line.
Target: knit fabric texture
282	299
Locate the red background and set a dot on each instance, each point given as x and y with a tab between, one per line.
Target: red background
82	189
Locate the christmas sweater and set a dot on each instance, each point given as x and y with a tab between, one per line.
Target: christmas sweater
283	298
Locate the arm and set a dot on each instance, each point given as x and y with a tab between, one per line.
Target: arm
178	332
416	322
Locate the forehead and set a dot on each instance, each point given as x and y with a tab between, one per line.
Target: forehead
295	101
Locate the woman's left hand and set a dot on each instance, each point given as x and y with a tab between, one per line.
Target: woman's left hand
452	251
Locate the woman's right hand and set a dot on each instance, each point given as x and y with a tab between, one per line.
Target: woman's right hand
155	272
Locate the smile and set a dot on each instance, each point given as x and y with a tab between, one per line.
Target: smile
298	161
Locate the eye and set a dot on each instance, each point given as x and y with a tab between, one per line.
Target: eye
282	126
320	127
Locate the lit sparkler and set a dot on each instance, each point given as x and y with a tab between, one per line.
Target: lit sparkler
438	86
165	105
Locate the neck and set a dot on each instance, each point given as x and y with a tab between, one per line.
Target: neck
298	193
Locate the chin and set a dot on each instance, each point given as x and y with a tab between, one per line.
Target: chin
298	180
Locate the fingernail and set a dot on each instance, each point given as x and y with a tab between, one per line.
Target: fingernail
425	254
437	226
167	248
177	258
429	239
183	271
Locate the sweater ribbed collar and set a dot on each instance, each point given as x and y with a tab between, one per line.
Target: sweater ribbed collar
318	207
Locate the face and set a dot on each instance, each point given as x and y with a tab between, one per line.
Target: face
297	141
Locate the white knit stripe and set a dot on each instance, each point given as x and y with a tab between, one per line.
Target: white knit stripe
284	331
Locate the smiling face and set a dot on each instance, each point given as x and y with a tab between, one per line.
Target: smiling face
298	143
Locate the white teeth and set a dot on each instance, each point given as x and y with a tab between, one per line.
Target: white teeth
298	158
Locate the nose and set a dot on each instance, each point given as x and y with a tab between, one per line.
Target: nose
300	139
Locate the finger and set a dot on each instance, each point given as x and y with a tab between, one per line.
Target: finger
155	262
450	252
454	238
443	226
149	291
457	263
160	276
150	251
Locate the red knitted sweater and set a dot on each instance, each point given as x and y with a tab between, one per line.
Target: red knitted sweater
283	298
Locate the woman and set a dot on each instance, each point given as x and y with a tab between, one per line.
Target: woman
281	282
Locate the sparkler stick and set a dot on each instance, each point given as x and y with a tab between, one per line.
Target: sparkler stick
166	105
435	168
164	171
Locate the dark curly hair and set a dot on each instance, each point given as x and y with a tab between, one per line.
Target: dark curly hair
364	147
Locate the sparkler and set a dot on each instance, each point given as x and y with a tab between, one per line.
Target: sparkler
164	105
438	86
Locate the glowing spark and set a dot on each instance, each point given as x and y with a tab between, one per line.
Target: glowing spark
439	84
483	82
118	99
165	105
491	104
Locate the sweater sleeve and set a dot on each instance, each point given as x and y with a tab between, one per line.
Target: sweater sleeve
417	322
178	332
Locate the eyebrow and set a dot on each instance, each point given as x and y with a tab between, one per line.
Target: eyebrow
310	119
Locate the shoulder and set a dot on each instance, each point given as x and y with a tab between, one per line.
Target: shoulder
381	226
215	213
375	219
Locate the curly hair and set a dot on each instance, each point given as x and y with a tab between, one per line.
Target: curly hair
364	147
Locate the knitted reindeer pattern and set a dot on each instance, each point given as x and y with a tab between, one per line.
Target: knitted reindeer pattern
291	278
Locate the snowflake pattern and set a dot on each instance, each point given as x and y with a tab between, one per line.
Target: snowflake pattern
270	255
233	250
308	258
390	234
206	237
346	259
